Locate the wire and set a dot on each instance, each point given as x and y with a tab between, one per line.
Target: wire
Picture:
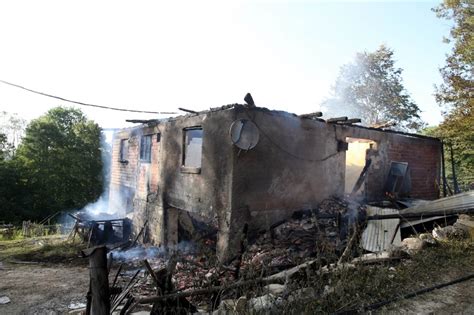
86	104
286	151
406	296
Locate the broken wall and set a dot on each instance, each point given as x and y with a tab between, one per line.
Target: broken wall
423	155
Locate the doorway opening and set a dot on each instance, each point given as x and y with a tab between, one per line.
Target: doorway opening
357	165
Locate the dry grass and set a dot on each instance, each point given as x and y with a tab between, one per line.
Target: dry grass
45	249
352	289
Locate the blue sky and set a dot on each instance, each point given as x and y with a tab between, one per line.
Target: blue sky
162	55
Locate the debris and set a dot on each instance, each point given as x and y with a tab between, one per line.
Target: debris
262	303
460	203
466	223
327	290
347	251
413	245
275	288
379	235
4	299
428	238
372	258
75	306
449	232
303	294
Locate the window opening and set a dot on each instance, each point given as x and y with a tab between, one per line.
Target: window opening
123	151
192	147
145	148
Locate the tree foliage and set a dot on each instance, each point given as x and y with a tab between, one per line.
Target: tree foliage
57	166
371	88
456	93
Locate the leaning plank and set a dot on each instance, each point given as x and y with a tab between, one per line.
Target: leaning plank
153	276
125	292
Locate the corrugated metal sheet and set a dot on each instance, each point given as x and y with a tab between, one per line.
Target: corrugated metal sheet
380	234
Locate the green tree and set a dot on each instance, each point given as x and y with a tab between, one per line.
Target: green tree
61	155
371	88
456	93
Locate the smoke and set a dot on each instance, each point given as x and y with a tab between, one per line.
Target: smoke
153	252
100	209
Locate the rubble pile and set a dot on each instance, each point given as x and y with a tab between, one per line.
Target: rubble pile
319	233
308	234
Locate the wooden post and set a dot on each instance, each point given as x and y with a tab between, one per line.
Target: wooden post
443	170
100	297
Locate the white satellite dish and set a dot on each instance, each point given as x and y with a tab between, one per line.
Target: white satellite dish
244	134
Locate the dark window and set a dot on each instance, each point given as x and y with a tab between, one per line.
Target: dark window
158	137
145	148
123	150
192	147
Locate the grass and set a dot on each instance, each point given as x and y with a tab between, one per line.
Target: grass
45	249
354	288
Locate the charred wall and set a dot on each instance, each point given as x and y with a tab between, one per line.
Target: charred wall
163	185
295	165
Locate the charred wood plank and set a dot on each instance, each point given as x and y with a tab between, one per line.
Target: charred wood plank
187	110
350	121
361	178
336	119
311	115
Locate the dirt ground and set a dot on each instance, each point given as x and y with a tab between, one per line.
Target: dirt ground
50	289
42	289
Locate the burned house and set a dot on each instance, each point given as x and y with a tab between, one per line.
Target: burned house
242	168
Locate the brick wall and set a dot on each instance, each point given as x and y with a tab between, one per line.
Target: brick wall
423	157
125	173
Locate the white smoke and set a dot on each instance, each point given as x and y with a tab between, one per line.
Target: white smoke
153	252
100	209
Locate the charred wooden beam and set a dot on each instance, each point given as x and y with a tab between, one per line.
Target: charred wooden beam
384	125
311	115
142	121
187	110
361	178
350	121
336	119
